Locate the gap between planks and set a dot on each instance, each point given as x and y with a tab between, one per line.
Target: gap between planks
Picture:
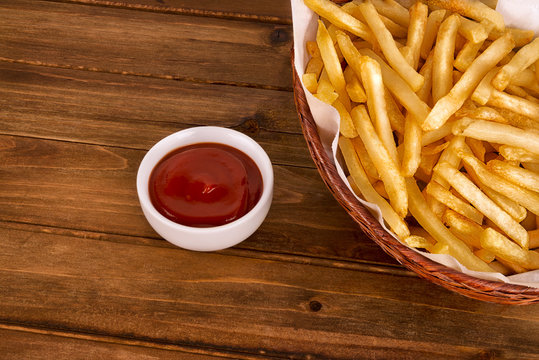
111	339
357	265
227	15
148	75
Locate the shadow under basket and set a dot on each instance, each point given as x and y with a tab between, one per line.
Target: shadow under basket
486	290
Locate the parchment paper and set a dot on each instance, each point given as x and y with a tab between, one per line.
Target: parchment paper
327	119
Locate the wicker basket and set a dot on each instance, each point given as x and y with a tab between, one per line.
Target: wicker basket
470	286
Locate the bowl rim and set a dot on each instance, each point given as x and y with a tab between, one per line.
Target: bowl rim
187	137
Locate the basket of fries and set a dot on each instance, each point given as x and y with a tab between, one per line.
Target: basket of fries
435	147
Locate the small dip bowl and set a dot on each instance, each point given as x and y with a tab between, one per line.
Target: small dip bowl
206	238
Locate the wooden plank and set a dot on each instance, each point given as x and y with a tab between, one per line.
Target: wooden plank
136	112
93	188
36	344
210	300
146	43
278	11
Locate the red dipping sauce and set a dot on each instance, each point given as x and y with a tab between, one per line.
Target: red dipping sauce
204	185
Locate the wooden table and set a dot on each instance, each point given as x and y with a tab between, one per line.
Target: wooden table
86	88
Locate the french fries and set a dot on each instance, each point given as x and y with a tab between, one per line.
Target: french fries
442	67
390	50
386	166
444	100
458	94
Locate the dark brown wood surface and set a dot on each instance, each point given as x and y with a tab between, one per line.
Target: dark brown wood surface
86	88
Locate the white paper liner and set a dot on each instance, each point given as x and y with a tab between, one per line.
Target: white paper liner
520	14
327	120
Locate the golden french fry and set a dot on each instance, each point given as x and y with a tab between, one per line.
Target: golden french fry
472	9
430	222
310	82
427	162
497	266
483	203
497	133
507	250
440	248
399	88
477	147
482	113
522	177
328	98
380	189
485	255
325	91
473	31
524	197
450	103
397	224
511	207
412	141
466	55
512	153
450	156
337	16
417	241
432	136
347	127
517	91
514	268
312	48
484	89
451	201
353	86
521	37
463	228
431	30
374	86
534	239
330	58
364	158
419	231
398	31
388	47
442	69
515	103
411	158
526	79
315	66
395	116
426	70
530	222
531	166
393	10
416	31
387	168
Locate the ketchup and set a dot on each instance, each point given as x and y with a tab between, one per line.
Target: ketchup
205	185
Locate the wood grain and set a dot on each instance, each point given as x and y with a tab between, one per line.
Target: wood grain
70	346
93	188
146	43
272	11
136	112
86	87
178	297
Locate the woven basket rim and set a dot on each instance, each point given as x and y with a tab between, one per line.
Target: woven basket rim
485	290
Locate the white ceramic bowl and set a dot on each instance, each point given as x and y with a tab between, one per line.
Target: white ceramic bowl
209	238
